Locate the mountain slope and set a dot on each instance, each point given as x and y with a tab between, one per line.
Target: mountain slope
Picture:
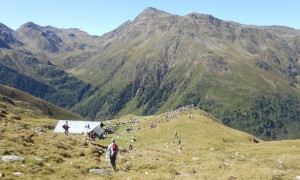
58	88
161	61
209	150
245	75
64	47
27	61
23	104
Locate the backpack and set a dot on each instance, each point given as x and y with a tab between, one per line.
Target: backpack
65	126
114	148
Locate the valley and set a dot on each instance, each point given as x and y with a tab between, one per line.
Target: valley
245	75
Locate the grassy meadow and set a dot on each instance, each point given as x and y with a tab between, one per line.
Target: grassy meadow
208	150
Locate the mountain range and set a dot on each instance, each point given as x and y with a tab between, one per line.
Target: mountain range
245	75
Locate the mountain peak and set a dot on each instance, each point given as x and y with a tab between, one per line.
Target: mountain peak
31	25
151	12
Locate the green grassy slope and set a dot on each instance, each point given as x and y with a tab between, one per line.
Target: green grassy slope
247	76
159	62
210	150
22	102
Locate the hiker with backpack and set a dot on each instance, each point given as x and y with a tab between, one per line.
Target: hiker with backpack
66	128
113	152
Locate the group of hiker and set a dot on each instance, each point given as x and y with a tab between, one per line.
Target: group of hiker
112	149
91	135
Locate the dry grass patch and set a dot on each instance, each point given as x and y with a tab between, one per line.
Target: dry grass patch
209	150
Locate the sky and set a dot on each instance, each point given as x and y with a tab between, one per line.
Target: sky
97	17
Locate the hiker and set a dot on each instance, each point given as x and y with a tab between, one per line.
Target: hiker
175	137
113	152
179	146
130	147
66	128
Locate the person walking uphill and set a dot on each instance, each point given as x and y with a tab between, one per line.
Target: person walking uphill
66	128
113	152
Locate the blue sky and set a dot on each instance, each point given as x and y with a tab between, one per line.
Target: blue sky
100	16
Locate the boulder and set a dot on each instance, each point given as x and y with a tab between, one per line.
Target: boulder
17	173
195	158
99	171
11	158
